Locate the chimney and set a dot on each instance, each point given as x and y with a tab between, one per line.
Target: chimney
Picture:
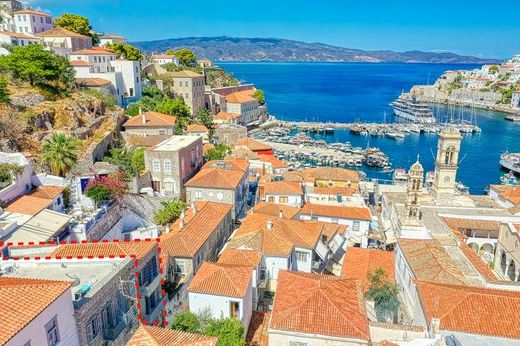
269	225
143	116
193	207
280	214
181	220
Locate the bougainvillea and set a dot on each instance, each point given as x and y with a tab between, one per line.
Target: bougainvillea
105	188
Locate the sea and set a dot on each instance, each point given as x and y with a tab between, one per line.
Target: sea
349	92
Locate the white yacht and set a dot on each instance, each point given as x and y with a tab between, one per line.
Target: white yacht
409	109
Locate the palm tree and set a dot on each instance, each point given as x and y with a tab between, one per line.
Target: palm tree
60	153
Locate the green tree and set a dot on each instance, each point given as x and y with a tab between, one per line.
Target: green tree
170	51
218	153
170	212
8	171
4	93
494	69
175	107
385	295
259	95
129	160
137	160
126	51
77	24
60	153
205	118
39	67
230	331
186	57
186	321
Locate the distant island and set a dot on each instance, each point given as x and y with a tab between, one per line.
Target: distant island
226	48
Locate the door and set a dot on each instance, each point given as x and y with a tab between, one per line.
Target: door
234	309
156	186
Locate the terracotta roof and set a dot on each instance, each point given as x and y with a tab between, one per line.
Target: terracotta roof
228	163
283	188
60	32
198	228
336	211
258	331
158	336
333	191
223	116
509	192
29	11
92	82
237	257
109	36
279	240
139	249
221	280
429	261
274	161
28	205
80	63
274	209
93	51
146	141
22	300
333	174
196	128
472	310
244	153
252	144
163	56
17	35
478	263
151	119
359	262
184	74
319	304
240	97
216	178
47	192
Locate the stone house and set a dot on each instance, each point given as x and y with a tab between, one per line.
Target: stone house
189	86
197	236
224	181
243	104
150	124
229	134
172	163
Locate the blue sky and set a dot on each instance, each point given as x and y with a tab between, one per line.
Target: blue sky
487	29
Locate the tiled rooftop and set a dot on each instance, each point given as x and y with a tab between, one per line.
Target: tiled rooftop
158	336
221	280
359	262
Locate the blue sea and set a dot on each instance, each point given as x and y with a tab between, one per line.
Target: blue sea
348	92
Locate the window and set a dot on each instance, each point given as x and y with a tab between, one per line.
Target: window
162	132
156	166
53	335
198	194
355	226
270	199
131	92
301	256
167	166
234	309
284	199
297	343
334	221
220	196
94	328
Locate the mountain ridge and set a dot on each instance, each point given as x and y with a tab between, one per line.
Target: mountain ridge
257	49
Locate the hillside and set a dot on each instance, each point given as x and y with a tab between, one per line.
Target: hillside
271	49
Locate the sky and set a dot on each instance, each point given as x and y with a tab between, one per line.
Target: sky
484	29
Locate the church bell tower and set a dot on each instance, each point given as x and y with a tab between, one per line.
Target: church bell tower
446	165
413	194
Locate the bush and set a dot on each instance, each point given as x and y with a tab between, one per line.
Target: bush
186	321
8	171
107	99
218	153
170	212
230	331
385	295
106	188
4	93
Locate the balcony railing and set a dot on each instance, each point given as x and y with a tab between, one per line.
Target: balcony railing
126	319
148	289
152	316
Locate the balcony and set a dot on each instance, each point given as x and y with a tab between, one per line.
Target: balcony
126	320
154	314
148	289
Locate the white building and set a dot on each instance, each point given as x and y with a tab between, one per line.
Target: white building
356	219
21	184
226	291
125	75
515	100
45	315
162	59
63	41
283	192
11	5
32	22
15	39
244	104
111	39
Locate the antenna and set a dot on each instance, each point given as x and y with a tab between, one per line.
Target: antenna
463	159
433	155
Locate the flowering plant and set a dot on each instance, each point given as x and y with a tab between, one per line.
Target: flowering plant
105	188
